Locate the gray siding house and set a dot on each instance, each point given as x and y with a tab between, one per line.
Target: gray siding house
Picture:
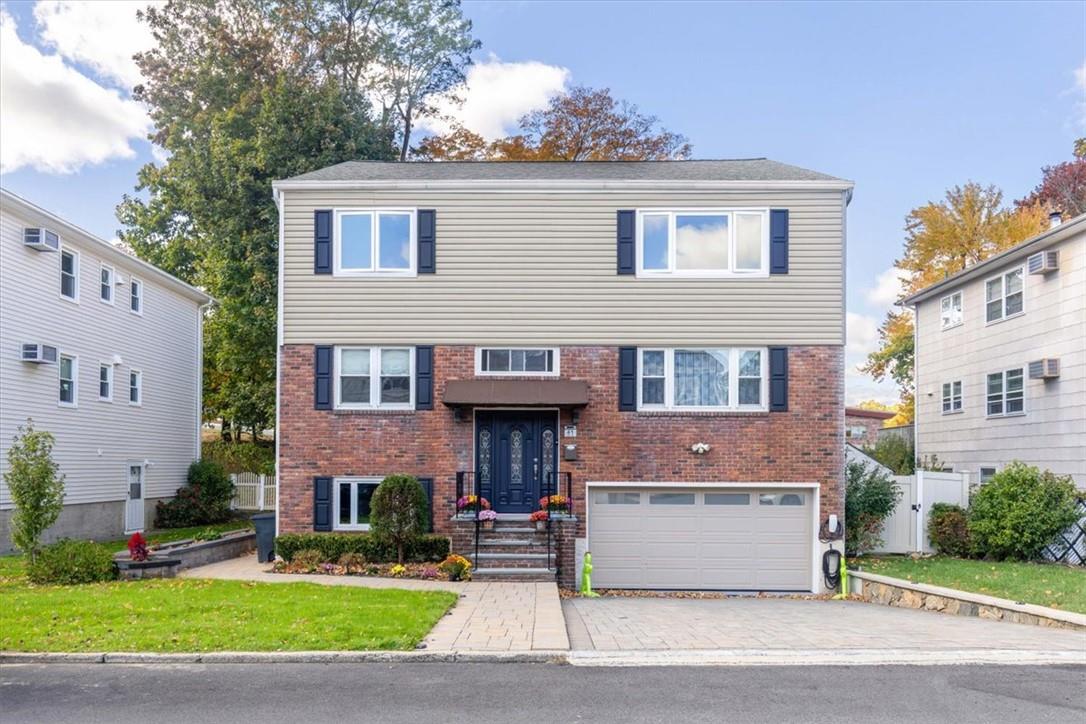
102	350
1001	359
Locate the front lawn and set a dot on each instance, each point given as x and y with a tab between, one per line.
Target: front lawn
1044	584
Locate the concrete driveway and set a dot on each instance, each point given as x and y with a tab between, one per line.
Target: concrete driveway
669	624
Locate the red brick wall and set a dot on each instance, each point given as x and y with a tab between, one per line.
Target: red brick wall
805	444
871	428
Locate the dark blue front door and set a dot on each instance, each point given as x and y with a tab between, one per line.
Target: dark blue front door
514	453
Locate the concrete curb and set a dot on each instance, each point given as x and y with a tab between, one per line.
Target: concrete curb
291	657
824	657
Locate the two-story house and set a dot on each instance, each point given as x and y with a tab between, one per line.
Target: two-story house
1001	359
103	351
659	341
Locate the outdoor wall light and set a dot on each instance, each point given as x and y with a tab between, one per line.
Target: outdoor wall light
700	448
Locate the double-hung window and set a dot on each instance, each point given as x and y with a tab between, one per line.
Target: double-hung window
703	242
136	300
702	379
351	501
1006	393
374	377
1003	295
952	397
951	311
105	284
69	381
135	387
105	382
69	275
375	242
527	361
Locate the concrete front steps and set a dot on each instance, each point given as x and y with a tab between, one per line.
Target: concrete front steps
514	551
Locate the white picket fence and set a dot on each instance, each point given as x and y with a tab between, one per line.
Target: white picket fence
253	491
906	530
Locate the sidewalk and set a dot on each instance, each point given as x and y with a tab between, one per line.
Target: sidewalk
514	617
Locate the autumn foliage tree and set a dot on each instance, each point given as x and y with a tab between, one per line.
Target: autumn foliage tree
583	124
1063	186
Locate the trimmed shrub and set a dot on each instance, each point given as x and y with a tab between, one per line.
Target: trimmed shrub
240	457
870	498
204	500
68	562
1019	511
948	529
333	546
399	512
309	559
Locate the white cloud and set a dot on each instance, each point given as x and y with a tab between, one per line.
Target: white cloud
1079	90
862	338
55	119
861	334
102	35
887	290
497	94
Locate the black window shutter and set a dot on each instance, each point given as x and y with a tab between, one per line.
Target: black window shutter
778	241
322	241
627	250
322	504
778	379
428	486
627	378
424	378
322	378
427	236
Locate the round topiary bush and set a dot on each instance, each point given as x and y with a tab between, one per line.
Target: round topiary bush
399	512
948	529
1019	511
203	500
68	562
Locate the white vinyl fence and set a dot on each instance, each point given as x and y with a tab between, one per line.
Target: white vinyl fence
906	530
253	491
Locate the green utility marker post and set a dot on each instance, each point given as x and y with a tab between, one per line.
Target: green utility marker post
586	577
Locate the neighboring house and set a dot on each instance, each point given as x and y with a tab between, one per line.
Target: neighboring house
854	454
905	432
531	326
1001	359
862	426
103	351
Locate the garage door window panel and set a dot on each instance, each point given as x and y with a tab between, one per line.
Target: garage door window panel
671	499
727	498
617	498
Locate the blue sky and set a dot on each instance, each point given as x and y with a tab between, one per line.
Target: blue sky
905	99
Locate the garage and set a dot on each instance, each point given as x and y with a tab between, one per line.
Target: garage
726	538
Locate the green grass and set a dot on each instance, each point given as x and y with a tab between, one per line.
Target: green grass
1045	584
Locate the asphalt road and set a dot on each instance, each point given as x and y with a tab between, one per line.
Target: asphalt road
514	693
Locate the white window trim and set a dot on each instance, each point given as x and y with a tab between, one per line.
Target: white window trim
731	272
375	378
944	398
76	263
112	284
982	468
1003	393
961	321
75	379
353	480
375	271
1003	296
480	372
109	381
733	380
133	282
139	387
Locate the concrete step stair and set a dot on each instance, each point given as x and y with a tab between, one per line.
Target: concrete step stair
515	560
520	575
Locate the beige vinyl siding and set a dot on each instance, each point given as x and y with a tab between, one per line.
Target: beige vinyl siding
538	267
95	440
1052	432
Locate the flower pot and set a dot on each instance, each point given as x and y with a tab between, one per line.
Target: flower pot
487	524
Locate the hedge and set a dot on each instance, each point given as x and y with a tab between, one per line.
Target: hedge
426	548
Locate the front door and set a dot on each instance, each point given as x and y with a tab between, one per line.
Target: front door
514	453
133	509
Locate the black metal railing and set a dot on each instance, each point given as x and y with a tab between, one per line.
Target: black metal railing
556	483
465	486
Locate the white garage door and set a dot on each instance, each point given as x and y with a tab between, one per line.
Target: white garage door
701	538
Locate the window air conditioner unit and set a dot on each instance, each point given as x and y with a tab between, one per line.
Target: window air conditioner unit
41	239
1044	262
39	354
1044	369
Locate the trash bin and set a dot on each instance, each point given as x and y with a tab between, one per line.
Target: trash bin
265	536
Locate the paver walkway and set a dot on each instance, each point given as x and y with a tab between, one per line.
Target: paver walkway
488	616
662	624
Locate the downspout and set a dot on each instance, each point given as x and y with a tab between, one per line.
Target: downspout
279	201
200	309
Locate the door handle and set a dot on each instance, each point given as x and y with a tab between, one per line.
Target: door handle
535	468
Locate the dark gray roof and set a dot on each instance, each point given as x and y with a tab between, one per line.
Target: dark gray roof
739	169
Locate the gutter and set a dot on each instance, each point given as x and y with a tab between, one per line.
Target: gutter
515	185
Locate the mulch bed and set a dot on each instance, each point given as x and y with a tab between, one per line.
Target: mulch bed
421	571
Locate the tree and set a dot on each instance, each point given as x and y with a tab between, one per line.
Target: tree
942	238
581	125
399	512
870	498
37	490
425	46
241	94
1063	186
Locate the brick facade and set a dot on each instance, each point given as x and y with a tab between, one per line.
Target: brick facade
862	426
805	444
